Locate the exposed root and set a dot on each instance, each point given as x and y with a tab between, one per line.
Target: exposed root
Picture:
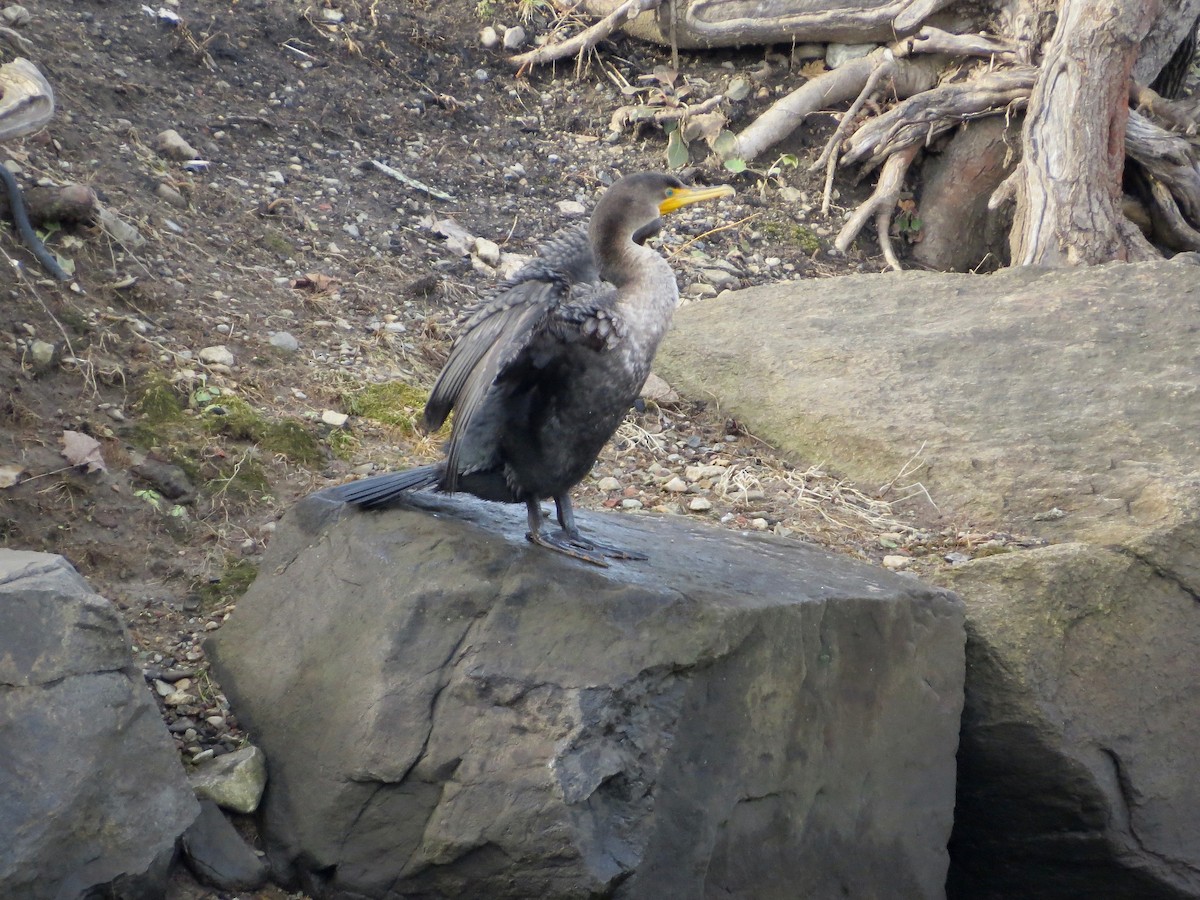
586	39
880	205
922	117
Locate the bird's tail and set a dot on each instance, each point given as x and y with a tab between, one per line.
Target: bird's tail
379	490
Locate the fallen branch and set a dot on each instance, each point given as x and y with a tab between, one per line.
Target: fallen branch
934	40
627	114
405	179
1168	159
586	39
1177	114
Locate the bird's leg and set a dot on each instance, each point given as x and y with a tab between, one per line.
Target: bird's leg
566	518
560	542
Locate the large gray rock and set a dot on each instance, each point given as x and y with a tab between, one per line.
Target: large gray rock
448	711
1063	404
1079	773
91	788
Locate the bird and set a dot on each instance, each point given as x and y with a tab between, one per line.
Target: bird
547	367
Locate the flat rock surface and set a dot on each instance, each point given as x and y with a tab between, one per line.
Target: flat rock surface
447	708
1065	403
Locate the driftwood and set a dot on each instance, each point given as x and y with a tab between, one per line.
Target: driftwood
26	99
586	39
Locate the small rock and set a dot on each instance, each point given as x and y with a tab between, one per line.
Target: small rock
514	37
284	341
759	524
896	562
488	38
696	473
719	278
10	475
658	390
234	781
608	483
218	856
16	16
840	54
487	251
170	144
169	480
169	195
43	355
275	178
180	698
332	16
218	355
631	503
572	209
676	485
699	504
700	291
334	419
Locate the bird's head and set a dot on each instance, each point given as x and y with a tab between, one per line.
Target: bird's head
633	207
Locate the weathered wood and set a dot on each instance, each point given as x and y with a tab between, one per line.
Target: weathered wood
71	204
926	115
26	99
731	23
586	39
1068	188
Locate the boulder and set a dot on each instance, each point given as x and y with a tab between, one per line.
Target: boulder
450	711
1062	404
1078	766
92	794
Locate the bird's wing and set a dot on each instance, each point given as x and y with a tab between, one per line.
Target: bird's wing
526	326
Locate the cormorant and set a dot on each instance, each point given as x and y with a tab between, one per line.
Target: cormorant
548	367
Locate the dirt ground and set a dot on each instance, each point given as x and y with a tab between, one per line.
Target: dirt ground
285	227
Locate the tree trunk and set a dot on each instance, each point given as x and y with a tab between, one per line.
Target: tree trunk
1068	189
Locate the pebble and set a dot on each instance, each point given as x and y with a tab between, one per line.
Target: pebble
16	16
676	485
487	251
840	54
334	419
631	503
170	143
514	37
234	781
572	209
697	473
179	698
608	483
699	504
284	341
217	355
42	354
895	562
719	279
760	524
489	38
10	475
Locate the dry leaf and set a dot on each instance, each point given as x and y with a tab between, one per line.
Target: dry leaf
82	450
315	281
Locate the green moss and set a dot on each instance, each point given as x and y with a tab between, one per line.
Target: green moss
276	243
234	418
390	403
798	235
159	402
343	444
234	581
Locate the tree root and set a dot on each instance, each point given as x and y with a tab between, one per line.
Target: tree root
586	39
922	117
881	204
1172	172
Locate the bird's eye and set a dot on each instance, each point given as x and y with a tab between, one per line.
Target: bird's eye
670	192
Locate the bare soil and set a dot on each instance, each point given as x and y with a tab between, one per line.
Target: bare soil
281	228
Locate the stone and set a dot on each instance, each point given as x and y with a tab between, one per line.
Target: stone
43	355
168	479
218	355
514	37
334	419
93	794
284	341
1060	405
837	55
700	504
572	209
218	856
16	16
10	475
170	143
608	483
487	252
234	781
488	38
699	724
658	390
1078	764
675	485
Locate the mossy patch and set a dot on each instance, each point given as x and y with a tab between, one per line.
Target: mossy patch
159	402
391	403
237	419
235	579
797	235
